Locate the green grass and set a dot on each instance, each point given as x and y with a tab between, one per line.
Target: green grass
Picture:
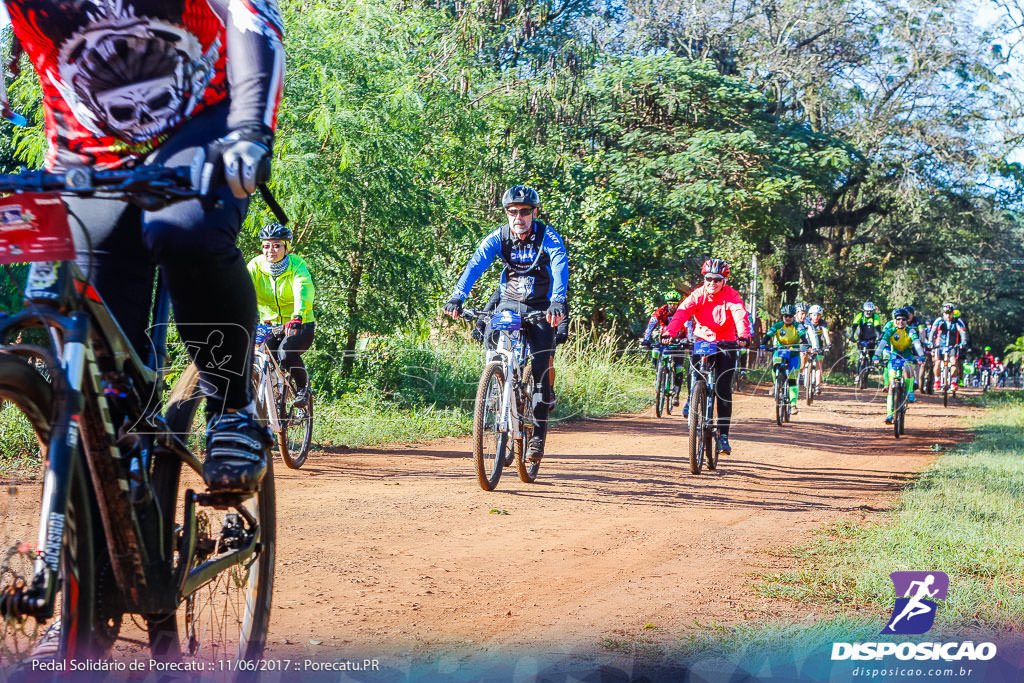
961	516
19	449
416	390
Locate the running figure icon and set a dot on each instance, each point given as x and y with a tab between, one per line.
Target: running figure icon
914	609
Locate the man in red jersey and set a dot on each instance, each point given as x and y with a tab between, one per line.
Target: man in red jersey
130	82
719	315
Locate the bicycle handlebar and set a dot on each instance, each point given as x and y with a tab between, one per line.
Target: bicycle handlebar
478	314
147	185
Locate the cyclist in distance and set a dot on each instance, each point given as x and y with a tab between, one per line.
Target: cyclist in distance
986	361
132	82
812	337
659	320
284	296
903	342
787	333
949	335
866	327
816	325
719	315
535	277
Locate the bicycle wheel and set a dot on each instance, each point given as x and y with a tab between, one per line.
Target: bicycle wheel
668	395
296	433
527	468
659	391
781	397
897	403
698	396
489	444
80	631
228	617
809	383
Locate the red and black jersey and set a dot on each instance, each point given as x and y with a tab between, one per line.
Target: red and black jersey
120	76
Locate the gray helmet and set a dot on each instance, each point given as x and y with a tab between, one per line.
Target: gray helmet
275	231
520	194
801	306
789	309
868	306
816	308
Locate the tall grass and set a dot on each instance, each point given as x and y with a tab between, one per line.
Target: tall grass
414	388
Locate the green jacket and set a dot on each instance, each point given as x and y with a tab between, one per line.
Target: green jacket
288	296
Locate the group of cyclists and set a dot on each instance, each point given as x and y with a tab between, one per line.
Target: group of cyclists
135	82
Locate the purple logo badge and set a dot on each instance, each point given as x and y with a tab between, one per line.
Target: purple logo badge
914	611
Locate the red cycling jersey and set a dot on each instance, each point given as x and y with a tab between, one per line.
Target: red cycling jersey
717	317
119	76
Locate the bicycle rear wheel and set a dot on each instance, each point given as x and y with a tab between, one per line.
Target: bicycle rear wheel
228	617
296	433
489	444
527	469
897	407
809	382
659	391
696	442
79	629
781	397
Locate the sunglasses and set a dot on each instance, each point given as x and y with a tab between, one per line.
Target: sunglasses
519	212
709	278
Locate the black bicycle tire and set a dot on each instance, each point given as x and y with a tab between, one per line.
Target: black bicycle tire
710	435
165	641
809	383
897	396
781	398
659	386
293	458
487	480
527	469
695	423
668	394
27	390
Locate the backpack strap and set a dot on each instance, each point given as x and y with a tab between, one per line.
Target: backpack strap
540	229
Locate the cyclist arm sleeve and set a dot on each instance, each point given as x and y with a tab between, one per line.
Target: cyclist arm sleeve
479	262
559	260
740	318
303	291
771	332
651	324
964	337
255	59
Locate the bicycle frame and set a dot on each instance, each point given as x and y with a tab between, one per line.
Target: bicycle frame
512	352
89	354
271	384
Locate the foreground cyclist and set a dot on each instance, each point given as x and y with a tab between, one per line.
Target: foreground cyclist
719	315
535	277
901	341
659	321
284	295
130	83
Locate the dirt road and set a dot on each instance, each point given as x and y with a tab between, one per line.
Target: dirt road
398	550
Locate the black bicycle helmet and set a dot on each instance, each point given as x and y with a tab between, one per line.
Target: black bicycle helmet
900	312
520	194
789	309
801	306
275	231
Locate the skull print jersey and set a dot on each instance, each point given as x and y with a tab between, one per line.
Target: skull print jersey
120	76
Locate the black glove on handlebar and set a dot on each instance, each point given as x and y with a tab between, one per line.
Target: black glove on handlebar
556	309
240	159
454	306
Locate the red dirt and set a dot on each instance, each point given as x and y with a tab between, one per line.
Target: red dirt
396	549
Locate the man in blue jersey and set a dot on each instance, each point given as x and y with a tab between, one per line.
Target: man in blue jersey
535	277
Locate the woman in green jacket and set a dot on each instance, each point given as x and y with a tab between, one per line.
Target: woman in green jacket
284	295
